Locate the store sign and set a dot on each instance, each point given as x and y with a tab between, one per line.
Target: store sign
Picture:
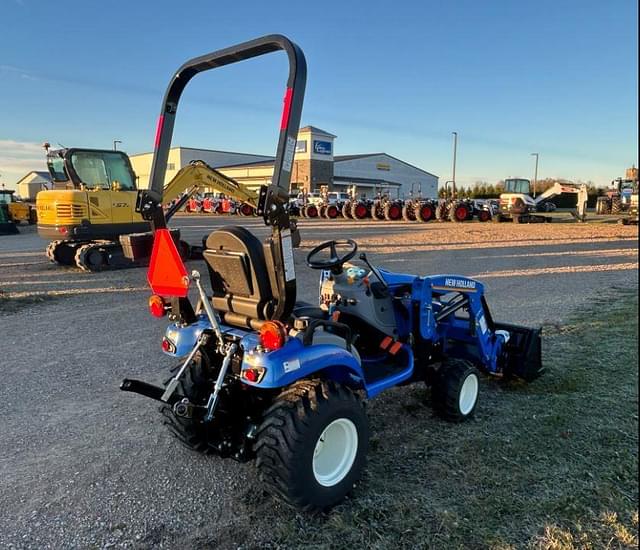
383	166
322	147
301	146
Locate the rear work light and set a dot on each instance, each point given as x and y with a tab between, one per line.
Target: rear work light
273	335
157	306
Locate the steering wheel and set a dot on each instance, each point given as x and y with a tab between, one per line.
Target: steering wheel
335	262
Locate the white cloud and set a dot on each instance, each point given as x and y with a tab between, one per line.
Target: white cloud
17	158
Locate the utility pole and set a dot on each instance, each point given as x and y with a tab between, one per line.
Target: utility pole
115	144
455	150
535	175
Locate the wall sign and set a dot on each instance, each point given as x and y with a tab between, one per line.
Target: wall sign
383	166
322	147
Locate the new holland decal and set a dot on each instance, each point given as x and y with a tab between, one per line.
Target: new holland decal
461	285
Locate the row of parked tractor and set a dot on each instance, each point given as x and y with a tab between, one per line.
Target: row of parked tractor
381	208
421	210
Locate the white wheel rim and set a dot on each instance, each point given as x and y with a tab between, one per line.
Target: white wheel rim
335	452
468	394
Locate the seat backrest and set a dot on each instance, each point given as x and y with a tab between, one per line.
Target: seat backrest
239	275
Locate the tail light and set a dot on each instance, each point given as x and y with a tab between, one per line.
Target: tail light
254	374
273	335
167	346
157	306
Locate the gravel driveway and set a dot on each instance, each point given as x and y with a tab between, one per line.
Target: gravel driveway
85	465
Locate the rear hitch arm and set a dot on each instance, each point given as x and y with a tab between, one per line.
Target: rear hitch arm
148	390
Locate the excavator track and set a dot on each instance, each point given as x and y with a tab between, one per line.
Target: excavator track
104	255
62	252
92	256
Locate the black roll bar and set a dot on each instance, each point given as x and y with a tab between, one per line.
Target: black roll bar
278	192
274	199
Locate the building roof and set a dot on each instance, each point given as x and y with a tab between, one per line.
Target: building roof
254	164
316	130
374	181
344	158
40	173
267	157
339	158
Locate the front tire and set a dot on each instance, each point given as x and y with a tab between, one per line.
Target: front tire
312	444
455	390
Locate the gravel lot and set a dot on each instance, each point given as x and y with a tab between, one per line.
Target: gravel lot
85	465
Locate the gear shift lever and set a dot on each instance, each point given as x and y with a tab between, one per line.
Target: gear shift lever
374	270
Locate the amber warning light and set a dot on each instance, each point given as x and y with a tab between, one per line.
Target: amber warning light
167	274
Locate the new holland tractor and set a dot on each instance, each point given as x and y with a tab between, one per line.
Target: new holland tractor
265	377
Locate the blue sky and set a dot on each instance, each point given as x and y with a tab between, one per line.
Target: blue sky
511	77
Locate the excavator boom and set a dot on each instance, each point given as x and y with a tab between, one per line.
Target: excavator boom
198	175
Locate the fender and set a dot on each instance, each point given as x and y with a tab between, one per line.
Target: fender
295	361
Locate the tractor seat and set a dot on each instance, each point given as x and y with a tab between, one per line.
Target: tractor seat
242	292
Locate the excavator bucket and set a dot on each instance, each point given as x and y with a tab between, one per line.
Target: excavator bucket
523	352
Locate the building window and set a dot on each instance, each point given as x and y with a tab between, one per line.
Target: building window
171	166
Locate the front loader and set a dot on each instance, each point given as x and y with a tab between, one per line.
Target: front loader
263	376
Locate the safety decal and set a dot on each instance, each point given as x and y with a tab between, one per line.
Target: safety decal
287	256
290	366
289	150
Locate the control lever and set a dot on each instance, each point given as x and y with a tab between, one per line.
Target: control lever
363	257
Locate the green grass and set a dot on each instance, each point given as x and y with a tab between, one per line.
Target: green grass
551	465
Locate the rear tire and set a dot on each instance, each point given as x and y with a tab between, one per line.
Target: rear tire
484	216
442	212
458	212
455	390
408	212
358	211
311	211
426	213
392	212
616	205
194	386
312	444
602	206
331	212
375	212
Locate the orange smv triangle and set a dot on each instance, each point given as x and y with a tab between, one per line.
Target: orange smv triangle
167	274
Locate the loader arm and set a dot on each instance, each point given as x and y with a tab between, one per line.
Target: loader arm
580	189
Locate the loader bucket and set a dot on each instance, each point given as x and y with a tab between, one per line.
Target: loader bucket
523	352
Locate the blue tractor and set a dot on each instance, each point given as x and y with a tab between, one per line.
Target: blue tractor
264	376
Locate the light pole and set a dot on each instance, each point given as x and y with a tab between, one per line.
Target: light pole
535	175
115	144
453	177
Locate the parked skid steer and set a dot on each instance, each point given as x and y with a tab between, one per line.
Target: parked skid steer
263	376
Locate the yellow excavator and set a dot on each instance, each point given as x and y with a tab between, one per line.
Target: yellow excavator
92	213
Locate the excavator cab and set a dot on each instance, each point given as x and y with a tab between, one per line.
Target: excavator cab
92	169
517	185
